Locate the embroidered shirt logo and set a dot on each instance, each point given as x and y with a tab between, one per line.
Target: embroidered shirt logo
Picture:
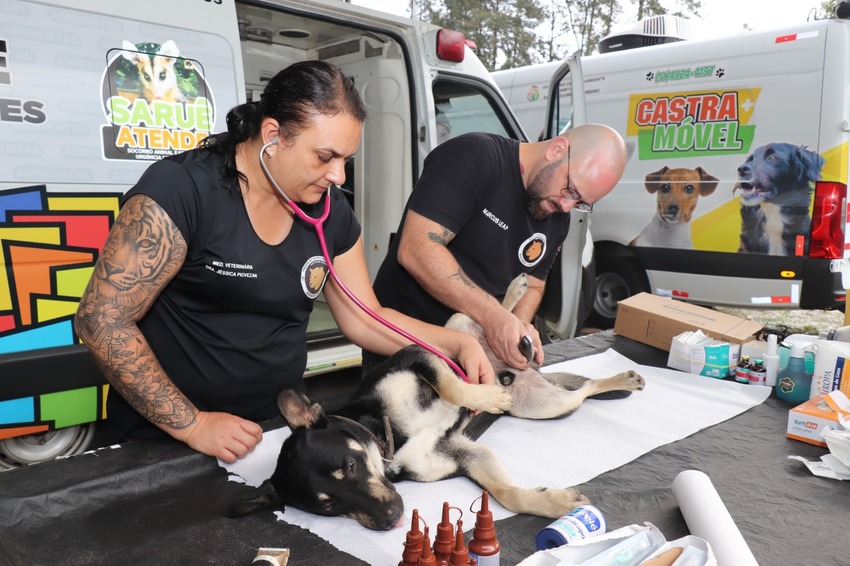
314	273
532	250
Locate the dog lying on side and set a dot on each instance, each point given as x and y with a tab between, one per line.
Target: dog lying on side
406	421
677	192
776	184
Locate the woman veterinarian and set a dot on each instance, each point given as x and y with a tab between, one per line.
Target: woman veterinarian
197	308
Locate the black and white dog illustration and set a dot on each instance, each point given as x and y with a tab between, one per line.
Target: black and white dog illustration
776	184
407	421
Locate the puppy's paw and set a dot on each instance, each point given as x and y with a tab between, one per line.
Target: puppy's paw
558	502
632	380
488	398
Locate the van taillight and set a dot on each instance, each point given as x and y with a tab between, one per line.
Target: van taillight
450	45
828	220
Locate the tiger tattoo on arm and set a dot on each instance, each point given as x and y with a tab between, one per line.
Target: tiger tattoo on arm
142	254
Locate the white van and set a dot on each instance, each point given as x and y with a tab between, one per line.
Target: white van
735	191
92	91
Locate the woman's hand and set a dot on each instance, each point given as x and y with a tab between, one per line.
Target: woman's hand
473	360
222	435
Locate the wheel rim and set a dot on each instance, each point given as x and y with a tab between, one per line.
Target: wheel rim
610	289
35	448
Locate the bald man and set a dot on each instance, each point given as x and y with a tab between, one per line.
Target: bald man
486	209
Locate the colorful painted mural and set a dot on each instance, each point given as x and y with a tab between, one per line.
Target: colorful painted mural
49	243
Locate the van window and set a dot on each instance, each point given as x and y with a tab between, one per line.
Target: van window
562	112
464	107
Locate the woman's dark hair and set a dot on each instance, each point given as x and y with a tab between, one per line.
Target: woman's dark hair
290	97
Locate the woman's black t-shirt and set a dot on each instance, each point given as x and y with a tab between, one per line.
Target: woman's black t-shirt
230	328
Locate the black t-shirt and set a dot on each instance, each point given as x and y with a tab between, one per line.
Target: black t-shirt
230	328
472	185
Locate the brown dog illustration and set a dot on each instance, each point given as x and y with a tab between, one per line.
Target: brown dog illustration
677	191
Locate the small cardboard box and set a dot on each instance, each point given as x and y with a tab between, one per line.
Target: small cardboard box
655	320
712	359
807	420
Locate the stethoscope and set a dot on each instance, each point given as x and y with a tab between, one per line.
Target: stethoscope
318	224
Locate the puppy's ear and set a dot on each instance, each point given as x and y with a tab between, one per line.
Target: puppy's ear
653	180
268	499
299	411
707	182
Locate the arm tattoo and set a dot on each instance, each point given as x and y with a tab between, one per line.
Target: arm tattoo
142	254
463	278
443	238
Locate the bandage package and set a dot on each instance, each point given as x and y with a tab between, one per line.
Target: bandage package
700	354
808	420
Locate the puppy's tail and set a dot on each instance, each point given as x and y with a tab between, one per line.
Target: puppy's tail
267	500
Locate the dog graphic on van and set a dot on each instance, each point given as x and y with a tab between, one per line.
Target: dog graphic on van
776	183
676	193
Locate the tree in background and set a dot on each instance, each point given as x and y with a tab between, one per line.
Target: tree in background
827	9
503	30
513	33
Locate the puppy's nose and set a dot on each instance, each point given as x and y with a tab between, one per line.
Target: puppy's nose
673	209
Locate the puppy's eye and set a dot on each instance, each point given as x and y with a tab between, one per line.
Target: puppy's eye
665	188
350	466
689	189
328	506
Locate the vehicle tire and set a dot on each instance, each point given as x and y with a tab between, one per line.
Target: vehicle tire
34	448
616	279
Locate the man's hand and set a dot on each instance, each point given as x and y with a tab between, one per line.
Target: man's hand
222	435
504	332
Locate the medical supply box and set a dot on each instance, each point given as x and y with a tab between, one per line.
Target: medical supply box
807	421
655	320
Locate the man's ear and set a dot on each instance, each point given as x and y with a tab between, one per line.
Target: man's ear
557	148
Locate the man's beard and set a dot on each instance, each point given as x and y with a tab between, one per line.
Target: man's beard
535	194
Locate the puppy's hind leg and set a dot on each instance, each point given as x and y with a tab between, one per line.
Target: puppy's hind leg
557	395
480	464
516	291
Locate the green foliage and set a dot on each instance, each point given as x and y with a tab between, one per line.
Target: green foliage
513	33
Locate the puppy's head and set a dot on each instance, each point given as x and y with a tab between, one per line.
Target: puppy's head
778	173
332	467
677	191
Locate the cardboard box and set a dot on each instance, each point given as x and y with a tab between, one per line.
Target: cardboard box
655	320
807	420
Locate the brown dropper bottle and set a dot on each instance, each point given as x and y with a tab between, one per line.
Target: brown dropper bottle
484	546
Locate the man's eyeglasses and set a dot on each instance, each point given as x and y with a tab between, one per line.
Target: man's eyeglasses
570	193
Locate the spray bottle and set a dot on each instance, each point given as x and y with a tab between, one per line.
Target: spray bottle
771	360
793	382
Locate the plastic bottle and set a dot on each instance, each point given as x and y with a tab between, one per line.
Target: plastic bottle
742	371
445	539
581	523
484	546
460	555
771	360
427	558
758	373
839	334
793	383
413	543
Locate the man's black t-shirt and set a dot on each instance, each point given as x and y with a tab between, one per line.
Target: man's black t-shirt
472	185
230	328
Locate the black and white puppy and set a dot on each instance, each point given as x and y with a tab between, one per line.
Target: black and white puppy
407	421
776	183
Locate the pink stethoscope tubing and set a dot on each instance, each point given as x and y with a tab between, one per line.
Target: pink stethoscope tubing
318	224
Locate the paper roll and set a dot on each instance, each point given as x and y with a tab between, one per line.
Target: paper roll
708	518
